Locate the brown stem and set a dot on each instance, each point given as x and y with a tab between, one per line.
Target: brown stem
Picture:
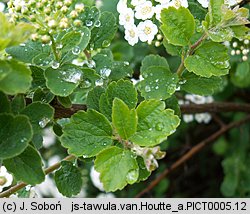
191	153
21	185
215	107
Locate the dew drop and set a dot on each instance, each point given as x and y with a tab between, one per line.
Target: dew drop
91	64
132	176
73	77
86	84
43	122
99	82
159	126
105	72
98	23
147	88
105	43
126	63
76	50
59	46
89	23
22	44
55	65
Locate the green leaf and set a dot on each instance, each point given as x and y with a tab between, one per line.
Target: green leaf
90	16
155	123
231	167
203	86
178	25
70	40
40	114
93	98
153	61
5	69
86	35
43	95
87	134
18	104
123	90
15	134
4	103
172	49
143	172
158	83
214	11
124	120
101	36
240	77
68	179
64	80
38	77
173	104
197	10
117	168
35	50
17	80
26	167
13	34
120	70
210	59
65	101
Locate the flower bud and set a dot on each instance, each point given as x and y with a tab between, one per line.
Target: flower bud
45	39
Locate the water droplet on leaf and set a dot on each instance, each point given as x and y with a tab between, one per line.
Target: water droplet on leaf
159	126
147	88
76	50
55	65
105	72
132	176
98	23
105	43
89	23
43	122
99	82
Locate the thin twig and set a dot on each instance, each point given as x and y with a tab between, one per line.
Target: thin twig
21	185
191	153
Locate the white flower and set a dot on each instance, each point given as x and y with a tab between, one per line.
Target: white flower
126	17
204	3
163	1
122	4
95	177
137	2
131	34
48	188
203	117
158	8
179	3
5	178
105	195
232	2
187	118
49	137
147	31
195	98
144	11
2	6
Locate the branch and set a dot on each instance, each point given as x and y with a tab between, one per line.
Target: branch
215	107
191	153
21	185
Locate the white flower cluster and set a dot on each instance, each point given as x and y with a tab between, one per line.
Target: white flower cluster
240	48
205	3
196	99
5	178
2	6
143	11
